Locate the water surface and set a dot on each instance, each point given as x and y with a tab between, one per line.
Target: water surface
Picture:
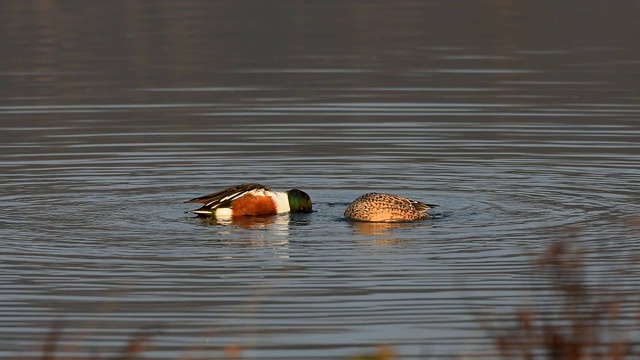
520	120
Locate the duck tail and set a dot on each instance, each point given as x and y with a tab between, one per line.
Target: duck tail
201	212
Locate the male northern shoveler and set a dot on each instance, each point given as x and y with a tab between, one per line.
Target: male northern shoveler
386	208
251	199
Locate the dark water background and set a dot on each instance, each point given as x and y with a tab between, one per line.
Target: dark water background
521	119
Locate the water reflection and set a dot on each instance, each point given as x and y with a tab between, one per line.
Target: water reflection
379	228
273	222
245	222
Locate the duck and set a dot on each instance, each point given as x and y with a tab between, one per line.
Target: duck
251	200
382	207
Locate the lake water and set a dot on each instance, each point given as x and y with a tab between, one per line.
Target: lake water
520	119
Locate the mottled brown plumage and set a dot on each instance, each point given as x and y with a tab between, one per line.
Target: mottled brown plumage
386	208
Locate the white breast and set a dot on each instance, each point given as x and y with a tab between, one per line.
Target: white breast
282	201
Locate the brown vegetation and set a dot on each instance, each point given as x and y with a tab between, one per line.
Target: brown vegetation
576	322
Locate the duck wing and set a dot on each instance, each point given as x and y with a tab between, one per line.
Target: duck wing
225	197
421	207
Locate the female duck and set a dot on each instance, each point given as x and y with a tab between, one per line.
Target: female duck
386	208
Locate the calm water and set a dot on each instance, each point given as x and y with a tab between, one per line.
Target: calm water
521	120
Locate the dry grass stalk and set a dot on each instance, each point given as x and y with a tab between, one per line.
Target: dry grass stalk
585	325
